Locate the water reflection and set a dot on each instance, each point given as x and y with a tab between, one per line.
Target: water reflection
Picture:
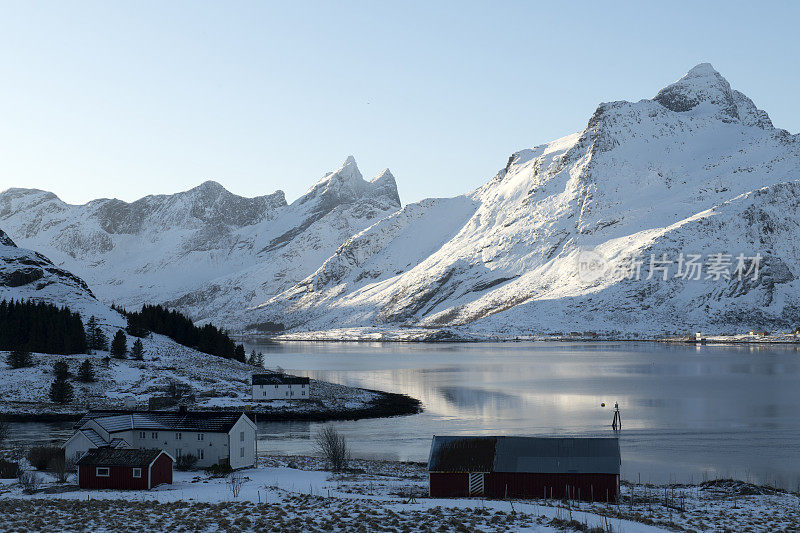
722	410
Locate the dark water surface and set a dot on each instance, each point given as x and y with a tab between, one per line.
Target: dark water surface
689	412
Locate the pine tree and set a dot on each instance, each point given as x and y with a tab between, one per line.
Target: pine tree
91	328
19	359
260	360
61	391
119	346
86	372
252	359
61	370
95	338
239	353
137	351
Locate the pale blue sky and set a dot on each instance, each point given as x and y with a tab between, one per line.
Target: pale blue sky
123	99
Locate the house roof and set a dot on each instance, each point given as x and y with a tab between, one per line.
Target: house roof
206	421
525	454
119	457
279	379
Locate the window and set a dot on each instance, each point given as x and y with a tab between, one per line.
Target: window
201	453
201	436
303	393
241	451
276	386
241	436
265	393
137	472
303	386
178	436
104	471
154	435
178	452
142	434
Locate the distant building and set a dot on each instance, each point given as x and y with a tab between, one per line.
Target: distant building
214	437
525	467
276	386
124	469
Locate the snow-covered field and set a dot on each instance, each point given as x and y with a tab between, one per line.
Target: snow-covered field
295	494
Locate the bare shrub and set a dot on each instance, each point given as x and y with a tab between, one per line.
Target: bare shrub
8	469
29	480
235	482
40	456
61	467
186	462
332	446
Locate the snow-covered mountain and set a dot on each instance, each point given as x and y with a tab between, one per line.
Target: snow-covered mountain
25	274
697	170
207	251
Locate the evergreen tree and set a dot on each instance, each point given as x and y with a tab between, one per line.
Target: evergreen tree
134	328
61	370
61	391
252	359
86	372
40	327
239	353
260	360
137	351
19	359
95	338
119	346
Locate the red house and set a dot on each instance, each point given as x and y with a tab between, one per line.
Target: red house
114	468
525	467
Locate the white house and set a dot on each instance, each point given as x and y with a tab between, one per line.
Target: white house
277	386
214	437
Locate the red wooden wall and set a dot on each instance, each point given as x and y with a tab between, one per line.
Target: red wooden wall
161	471
597	487
121	477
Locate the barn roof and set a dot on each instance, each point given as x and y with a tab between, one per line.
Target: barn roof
549	455
209	421
119	457
279	379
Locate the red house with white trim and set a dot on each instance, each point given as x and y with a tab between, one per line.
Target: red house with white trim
124	469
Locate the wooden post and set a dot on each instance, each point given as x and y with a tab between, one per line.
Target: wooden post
616	423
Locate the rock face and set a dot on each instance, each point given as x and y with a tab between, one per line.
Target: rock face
202	250
25	274
697	170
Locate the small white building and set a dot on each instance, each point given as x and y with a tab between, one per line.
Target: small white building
214	437
277	386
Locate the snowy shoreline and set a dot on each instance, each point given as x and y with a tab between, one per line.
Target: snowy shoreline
423	336
214	383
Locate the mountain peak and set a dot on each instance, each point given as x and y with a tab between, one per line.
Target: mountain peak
702	69
349	169
702	89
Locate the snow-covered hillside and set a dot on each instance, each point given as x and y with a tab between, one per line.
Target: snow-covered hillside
206	251
25	274
698	170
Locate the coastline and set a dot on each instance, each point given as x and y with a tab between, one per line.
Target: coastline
384	405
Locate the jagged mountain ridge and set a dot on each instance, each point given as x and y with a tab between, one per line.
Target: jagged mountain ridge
172	247
676	173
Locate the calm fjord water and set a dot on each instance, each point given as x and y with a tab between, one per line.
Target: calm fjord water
688	411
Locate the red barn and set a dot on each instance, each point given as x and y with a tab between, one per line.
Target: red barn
114	468
525	467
